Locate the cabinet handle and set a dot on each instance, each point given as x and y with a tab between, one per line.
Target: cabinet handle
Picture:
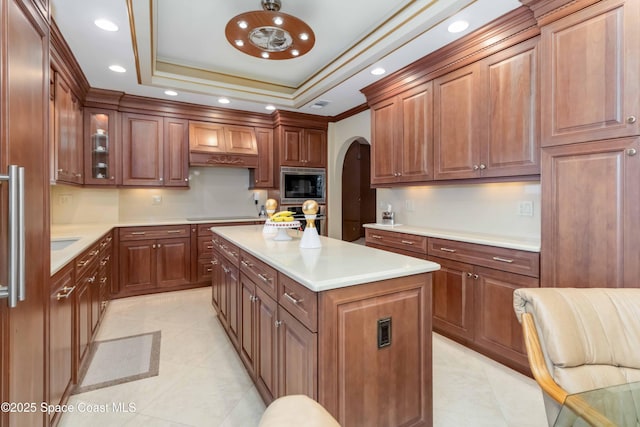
226	270
67	293
91	279
375	236
631	119
407	242
277	323
631	152
209	246
186	179
214	262
476	167
138	233
153	246
159	245
475	277
497	258
263	277
103	262
292	299
447	250
94	253
245	263
161	179
209	269
482	166
173	231
469	274
103	280
82	263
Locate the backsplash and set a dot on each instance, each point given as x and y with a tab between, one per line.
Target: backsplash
477	208
213	192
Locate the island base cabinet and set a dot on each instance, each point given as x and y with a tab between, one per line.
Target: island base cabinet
375	353
297	357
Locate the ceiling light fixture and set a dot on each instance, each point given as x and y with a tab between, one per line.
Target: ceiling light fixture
458	26
117	69
170	92
223	100
270	107
105	24
378	71
269	33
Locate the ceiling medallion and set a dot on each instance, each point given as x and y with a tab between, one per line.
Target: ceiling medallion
269	33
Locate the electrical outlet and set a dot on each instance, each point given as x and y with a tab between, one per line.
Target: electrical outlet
525	208
156	199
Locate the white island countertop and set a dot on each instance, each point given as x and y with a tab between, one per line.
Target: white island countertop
336	264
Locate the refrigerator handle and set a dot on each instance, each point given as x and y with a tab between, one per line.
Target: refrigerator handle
15	290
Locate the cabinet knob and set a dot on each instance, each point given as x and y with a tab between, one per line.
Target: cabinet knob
469	274
631	151
161	179
153	246
475	167
277	323
186	179
631	119
482	166
475	277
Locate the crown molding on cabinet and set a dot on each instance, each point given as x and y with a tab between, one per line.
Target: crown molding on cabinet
547	11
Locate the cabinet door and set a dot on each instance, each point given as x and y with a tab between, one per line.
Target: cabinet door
513	145
100	146
240	140
415	157
173	262
453	300
266	346
290	145
142	150
263	175
94	295
216	280
384	134
61	334
83	319
315	148
247	324
67	142
459	123
232	287
589	74
206	137
176	152
496	327
137	265
223	302
590	208
297	358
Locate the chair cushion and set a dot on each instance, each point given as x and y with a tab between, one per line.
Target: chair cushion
296	410
590	337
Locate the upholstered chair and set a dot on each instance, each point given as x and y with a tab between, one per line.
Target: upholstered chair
296	411
580	339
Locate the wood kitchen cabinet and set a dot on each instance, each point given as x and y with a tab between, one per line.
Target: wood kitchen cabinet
263	175
100	147
486	117
402	132
86	302
589	74
68	162
105	275
304	147
214	144
590	207
154	258
154	151
61	345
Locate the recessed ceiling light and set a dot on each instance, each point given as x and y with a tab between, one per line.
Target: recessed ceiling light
171	92
458	26
277	20
239	43
117	69
304	36
265	55
106	25
270	107
378	71
243	24
223	100
295	52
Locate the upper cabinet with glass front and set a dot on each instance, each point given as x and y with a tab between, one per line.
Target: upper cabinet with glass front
100	147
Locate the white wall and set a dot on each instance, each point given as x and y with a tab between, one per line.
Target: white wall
480	208
213	192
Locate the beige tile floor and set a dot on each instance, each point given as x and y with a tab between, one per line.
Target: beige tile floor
202	381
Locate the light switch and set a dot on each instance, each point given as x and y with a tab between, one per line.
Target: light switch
525	208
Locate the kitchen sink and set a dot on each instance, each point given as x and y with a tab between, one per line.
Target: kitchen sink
62	243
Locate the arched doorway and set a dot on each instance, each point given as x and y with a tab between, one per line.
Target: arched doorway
358	198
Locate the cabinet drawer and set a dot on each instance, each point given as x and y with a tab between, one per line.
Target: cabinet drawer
88	258
204	230
511	260
139	233
407	242
205	269
263	275
298	300
228	250
105	242
205	246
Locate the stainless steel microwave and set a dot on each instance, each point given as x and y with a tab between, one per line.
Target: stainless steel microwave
300	184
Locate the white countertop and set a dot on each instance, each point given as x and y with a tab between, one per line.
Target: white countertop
520	243
336	264
88	234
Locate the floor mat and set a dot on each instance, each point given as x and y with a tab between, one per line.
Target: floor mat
120	360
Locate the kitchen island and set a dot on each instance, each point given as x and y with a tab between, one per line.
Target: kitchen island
348	325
